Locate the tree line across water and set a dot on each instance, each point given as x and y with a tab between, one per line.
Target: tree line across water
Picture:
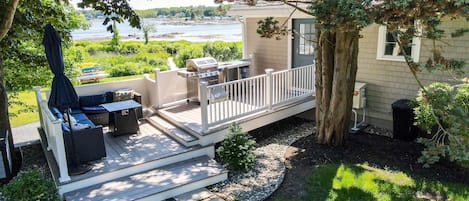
192	12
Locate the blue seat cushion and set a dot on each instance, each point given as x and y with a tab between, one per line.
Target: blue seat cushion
83	119
93	100
93	109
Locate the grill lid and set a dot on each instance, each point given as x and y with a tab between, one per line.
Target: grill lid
201	63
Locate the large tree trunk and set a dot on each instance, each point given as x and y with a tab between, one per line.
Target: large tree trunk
336	69
4	120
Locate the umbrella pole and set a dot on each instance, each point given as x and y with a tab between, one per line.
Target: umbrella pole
76	168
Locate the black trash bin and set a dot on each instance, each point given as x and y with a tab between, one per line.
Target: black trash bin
403	121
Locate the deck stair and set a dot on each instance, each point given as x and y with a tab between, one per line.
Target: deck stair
158	184
173	131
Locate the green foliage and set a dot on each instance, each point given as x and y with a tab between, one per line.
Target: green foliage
28	185
24	59
443	111
269	28
237	150
114	45
115	10
222	51
349	14
190	52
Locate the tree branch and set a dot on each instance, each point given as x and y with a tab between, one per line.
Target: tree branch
8	18
290	3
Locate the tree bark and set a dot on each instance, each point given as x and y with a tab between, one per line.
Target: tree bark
4	120
336	69
7	19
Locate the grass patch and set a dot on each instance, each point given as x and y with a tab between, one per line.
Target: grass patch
363	182
29	98
23	117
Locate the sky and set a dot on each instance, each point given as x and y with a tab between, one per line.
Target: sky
147	4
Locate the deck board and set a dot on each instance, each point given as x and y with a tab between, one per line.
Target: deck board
130	150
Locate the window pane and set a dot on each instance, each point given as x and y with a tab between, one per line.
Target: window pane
390	37
306	33
390	48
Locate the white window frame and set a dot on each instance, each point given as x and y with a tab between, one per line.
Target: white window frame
415	53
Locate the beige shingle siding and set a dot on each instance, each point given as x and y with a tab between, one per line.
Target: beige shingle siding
389	81
267	53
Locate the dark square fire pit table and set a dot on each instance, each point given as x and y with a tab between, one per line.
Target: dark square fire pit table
122	117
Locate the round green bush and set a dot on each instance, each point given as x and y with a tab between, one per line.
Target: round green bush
237	150
31	184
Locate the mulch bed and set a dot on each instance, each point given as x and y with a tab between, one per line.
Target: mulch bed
305	155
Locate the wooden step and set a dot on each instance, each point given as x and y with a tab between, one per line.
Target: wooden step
157	184
173	131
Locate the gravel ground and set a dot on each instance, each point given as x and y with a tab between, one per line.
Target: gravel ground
273	142
33	157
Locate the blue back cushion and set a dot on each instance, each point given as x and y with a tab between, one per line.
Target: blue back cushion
56	112
93	100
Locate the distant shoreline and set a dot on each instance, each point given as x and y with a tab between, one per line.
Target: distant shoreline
164	37
183	21
174	34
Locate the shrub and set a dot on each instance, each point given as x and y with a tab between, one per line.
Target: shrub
443	111
122	70
129	49
190	52
30	184
223	51
237	150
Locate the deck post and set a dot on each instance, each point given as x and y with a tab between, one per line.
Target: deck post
158	84
269	87
203	105
61	157
37	90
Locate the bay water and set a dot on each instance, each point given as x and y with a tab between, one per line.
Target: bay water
166	30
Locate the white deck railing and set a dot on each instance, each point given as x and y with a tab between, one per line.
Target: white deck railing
225	102
290	85
52	126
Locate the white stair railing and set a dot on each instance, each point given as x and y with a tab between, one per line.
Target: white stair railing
228	101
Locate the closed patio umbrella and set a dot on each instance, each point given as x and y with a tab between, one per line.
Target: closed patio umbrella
62	94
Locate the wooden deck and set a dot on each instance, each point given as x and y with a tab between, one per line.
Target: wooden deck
131	150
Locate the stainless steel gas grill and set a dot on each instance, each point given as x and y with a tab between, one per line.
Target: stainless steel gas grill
199	70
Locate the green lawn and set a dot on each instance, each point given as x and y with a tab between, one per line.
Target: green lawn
362	182
23	117
28	98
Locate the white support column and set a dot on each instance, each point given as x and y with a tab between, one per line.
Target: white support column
158	84
269	87
203	105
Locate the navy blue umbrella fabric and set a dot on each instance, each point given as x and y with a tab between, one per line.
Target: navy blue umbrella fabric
62	94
